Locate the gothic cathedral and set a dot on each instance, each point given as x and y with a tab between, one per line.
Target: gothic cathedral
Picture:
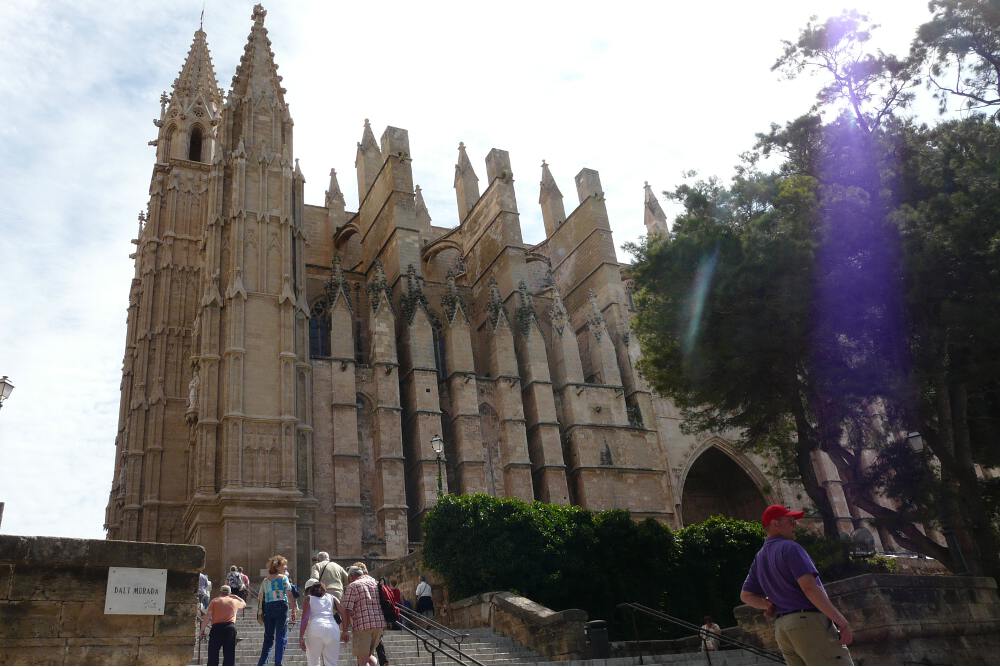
288	365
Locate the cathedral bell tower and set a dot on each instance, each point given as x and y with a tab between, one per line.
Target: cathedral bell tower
149	491
252	435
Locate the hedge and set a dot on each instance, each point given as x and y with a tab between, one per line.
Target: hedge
567	557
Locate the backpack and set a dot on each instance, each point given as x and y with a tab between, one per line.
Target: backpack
389	610
235	581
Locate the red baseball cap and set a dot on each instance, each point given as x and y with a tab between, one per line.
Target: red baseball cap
777	511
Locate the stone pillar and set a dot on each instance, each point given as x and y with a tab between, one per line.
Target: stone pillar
389	495
343	407
507	394
544	444
421	405
466	442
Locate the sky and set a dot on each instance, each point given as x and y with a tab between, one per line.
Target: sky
638	91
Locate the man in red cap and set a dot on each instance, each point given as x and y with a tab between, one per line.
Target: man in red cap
784	583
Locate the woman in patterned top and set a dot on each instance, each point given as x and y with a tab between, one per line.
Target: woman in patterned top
276	597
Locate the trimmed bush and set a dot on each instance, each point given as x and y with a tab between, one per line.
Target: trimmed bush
566	557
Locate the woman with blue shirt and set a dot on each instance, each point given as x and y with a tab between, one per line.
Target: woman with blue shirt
277	602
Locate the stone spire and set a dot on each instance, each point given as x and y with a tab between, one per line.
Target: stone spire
423	215
595	319
452	301
525	310
557	312
197	76
257	74
368	161
336	286
378	288
654	217
466	184
413	298
551	200
495	307
334	197
192	109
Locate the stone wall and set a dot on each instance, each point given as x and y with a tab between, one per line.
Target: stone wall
558	635
52	593
406	573
909	619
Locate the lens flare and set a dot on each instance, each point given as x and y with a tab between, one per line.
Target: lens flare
696	301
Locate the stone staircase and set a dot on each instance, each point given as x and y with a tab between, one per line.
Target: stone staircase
400	647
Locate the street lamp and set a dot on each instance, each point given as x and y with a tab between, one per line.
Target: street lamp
437	443
6	386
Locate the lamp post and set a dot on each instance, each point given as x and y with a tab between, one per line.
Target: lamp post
6	386
437	443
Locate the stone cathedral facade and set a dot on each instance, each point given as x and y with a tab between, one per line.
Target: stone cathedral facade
288	364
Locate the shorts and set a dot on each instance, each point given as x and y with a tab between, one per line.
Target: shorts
363	642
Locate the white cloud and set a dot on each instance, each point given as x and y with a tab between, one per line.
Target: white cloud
638	91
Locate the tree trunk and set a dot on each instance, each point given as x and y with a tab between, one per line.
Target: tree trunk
803	459
977	533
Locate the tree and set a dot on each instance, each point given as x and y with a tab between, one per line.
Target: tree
961	42
949	217
750	299
873	84
838	304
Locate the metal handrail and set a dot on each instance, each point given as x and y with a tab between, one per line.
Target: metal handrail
442	647
413	617
697	629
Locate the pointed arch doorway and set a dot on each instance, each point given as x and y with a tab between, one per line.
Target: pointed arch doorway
716	484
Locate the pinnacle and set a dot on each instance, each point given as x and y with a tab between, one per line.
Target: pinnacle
464	166
420	205
197	74
654	217
368	138
548	183
463	157
257	72
333	191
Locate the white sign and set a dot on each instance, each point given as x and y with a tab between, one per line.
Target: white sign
135	590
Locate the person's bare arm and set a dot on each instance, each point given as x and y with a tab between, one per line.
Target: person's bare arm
345	615
291	602
819	598
304	624
758	602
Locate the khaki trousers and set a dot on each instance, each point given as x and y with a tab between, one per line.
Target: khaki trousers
809	638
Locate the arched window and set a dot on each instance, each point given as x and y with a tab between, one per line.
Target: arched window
319	330
168	140
194	148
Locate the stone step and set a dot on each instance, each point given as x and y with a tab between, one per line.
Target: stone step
402	648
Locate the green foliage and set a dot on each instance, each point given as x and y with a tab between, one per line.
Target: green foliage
961	47
712	562
561	556
833	559
871	85
565	557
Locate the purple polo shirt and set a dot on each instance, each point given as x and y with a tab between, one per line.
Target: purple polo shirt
775	572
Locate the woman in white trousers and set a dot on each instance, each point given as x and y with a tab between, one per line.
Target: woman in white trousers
319	634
